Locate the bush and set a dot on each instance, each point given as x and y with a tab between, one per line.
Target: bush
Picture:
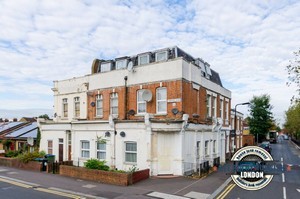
26	157
12	154
96	164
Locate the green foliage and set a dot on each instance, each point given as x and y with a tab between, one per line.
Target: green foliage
292	123
261	117
6	144
45	116
96	164
12	154
133	169
38	138
27	156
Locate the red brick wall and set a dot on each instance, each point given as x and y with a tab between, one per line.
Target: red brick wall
16	163
140	175
123	179
115	178
192	101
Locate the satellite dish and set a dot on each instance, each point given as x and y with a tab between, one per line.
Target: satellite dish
130	66
30	141
147	95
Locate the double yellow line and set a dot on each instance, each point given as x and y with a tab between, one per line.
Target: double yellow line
226	191
19	184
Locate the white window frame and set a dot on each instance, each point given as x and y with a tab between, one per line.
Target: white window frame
84	150
198	149
101	150
51	147
141	57
99	101
158	58
76	111
221	108
65	107
114	110
214	108
134	153
105	66
214	146
121	64
226	110
140	102
163	100
208	105
206	148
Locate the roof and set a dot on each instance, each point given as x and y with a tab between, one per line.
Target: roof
5	126
216	78
27	131
28	119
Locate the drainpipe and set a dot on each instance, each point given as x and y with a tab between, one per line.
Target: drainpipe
125	101
112	126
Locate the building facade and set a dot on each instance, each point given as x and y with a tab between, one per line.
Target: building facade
163	110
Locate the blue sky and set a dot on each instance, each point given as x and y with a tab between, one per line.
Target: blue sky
248	43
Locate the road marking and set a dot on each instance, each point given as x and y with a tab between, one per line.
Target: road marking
15	183
197	195
281	159
57	193
226	191
165	195
298	190
283	179
284	193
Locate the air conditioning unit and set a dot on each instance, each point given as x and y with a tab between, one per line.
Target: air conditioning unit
147	95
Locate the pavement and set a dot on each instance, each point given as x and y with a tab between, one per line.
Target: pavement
172	187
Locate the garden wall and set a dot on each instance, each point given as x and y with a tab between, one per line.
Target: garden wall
16	163
116	178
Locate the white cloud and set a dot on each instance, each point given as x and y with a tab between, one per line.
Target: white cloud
248	43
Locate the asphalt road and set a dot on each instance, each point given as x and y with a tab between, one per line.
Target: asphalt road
286	181
13	191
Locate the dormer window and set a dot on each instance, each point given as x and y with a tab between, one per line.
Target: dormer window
106	66
143	59
121	64
161	56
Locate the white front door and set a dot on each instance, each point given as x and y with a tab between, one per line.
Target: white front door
165	151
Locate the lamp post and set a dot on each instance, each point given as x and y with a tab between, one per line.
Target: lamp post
235	119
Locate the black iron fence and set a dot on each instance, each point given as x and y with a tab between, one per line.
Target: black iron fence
53	167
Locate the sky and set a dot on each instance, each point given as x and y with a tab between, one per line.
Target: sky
249	43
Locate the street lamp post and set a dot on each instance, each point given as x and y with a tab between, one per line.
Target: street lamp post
235	119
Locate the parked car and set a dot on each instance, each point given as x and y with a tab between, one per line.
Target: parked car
266	145
248	166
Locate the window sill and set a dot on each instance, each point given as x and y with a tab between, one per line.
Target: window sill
140	114
160	114
130	163
99	117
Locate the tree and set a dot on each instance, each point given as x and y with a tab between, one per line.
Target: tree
45	116
261	117
292	123
294	73
38	138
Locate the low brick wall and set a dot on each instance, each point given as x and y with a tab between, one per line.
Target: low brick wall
123	179
140	175
16	163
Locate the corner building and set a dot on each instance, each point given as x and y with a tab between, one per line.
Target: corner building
163	110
